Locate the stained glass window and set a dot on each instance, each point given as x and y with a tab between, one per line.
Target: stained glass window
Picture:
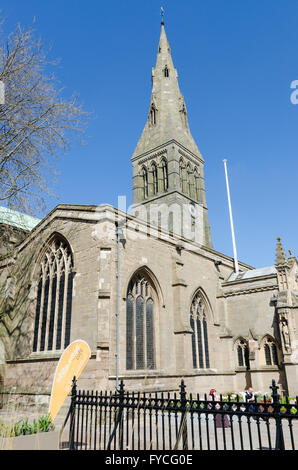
140	317
199	326
54	299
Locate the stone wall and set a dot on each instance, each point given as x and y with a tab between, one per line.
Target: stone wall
177	268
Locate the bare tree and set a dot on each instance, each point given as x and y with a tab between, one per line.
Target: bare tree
35	121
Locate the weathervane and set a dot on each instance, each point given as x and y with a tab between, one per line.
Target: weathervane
162	12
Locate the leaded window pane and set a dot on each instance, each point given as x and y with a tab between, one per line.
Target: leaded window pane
246	356
60	310
199	340
37	315
54	299
267	355
45	313
243	354
240	356
52	313
139	333
68	310
200	346
140	312
193	343
206	343
274	354
129	332
149	334
270	350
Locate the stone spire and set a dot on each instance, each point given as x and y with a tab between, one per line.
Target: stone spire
280	257
168	169
167	117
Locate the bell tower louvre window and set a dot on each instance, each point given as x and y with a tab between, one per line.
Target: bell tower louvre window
164	166
155	178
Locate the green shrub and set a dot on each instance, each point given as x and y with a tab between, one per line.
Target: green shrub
23	427
45	424
232	397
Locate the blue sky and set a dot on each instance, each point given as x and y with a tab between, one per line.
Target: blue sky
235	60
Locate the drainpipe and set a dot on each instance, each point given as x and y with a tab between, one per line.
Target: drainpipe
120	239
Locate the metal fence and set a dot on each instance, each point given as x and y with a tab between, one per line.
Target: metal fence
164	421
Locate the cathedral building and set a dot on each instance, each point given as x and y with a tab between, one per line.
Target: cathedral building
146	290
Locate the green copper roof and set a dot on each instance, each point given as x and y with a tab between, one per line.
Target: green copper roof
17	219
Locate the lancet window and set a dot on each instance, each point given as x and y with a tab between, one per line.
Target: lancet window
197	184
144	175
242	353
270	352
154	178
165	177
199	326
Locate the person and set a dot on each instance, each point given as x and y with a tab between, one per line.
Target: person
249	397
220	420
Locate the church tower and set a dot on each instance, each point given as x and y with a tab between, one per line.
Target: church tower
168	168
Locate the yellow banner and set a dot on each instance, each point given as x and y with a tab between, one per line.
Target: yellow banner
71	363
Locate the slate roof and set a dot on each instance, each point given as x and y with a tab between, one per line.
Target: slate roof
252	273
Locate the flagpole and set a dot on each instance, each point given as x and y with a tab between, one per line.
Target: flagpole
236	267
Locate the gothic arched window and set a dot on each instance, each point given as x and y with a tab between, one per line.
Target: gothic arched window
199	326
197	184
242	353
166	71
54	298
140	316
188	179
154	178
270	352
181	174
165	179
144	175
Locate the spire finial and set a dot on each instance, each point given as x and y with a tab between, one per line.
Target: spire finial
280	258
162	12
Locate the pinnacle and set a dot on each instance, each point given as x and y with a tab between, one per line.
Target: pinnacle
280	257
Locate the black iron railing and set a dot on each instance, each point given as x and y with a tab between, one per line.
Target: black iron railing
164	421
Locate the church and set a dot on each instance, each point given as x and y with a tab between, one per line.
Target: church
145	288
